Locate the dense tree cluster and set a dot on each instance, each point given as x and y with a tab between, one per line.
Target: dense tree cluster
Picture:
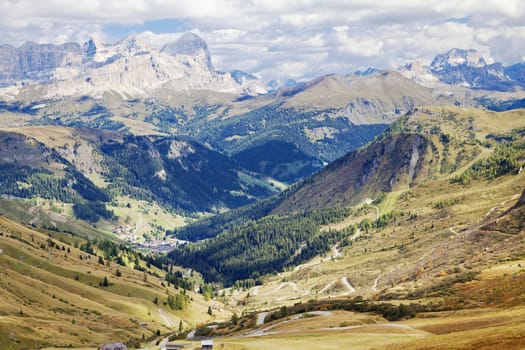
26	182
178	301
198	179
115	252
212	226
177	279
261	246
91	211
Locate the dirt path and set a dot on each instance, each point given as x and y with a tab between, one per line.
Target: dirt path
328	286
374	286
138	224
191	335
336	252
356	234
345	282
266	331
169	319
431	250
516	196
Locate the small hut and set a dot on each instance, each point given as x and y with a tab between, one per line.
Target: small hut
115	346
207	344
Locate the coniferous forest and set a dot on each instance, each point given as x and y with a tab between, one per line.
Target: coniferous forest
263	246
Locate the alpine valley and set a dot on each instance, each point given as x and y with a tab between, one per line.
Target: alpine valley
148	198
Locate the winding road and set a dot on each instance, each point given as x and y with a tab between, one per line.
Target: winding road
347	284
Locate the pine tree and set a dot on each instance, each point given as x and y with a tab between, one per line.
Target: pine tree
235	318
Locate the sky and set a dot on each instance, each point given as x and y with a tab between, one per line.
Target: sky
284	39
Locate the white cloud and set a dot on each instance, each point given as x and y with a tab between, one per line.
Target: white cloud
295	38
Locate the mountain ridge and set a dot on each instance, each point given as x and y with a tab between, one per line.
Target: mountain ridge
129	67
178	172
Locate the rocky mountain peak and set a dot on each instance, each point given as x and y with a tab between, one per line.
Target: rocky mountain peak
368	71
189	44
94	46
131	45
467	68
90	48
458	57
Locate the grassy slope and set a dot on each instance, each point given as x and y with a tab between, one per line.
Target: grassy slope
52	297
453	231
420	257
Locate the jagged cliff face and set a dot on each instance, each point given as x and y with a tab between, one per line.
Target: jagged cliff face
130	68
33	61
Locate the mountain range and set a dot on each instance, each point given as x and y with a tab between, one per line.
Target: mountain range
134	89
467	68
94	68
384	202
